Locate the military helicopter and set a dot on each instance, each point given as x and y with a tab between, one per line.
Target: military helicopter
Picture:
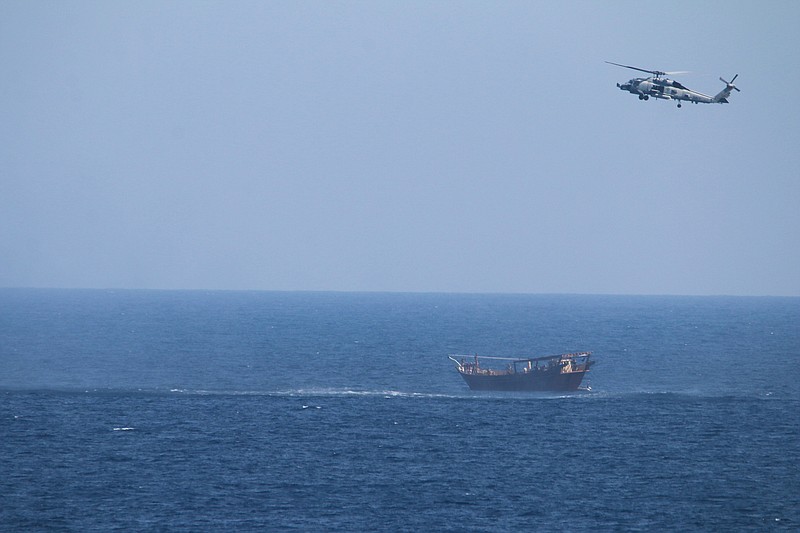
658	86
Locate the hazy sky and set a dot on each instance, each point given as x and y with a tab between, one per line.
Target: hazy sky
398	146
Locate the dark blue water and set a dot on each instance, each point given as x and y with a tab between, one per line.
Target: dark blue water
188	411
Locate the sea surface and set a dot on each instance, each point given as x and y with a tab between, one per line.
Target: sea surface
270	411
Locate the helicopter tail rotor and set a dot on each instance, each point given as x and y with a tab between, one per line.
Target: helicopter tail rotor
730	84
722	96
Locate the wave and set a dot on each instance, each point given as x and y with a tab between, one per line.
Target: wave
465	395
694	394
391	394
320	392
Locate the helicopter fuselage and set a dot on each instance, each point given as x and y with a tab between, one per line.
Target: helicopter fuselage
665	89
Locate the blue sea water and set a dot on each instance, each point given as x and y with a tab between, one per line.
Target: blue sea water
265	411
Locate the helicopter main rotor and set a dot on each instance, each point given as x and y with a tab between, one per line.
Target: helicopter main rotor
656	73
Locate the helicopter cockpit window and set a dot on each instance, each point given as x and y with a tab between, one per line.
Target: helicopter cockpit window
678	85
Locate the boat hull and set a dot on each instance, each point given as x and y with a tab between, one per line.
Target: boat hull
525	381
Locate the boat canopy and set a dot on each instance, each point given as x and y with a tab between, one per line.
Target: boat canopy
524	359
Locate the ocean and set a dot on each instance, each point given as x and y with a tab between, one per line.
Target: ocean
302	411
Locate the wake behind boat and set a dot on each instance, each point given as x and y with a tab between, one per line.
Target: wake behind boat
562	372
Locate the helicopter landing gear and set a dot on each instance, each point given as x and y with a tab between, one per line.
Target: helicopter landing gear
644	97
679	104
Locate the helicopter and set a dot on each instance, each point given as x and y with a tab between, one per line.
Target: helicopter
658	86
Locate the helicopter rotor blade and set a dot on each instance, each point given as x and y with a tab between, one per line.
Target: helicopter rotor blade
656	72
653	72
730	83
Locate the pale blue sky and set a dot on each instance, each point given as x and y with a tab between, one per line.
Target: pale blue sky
398	146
